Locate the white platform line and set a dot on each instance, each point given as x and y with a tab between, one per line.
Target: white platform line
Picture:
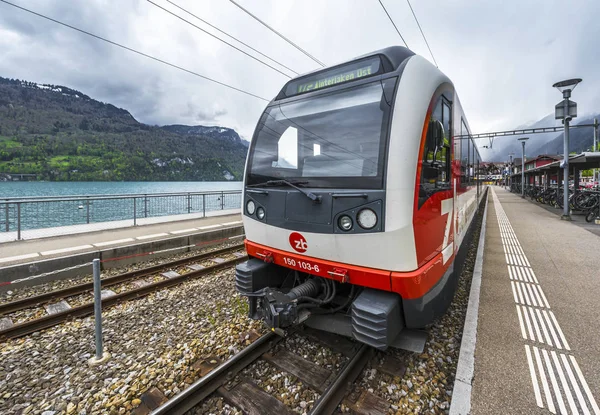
557	394
231	223
543	296
560	332
19	257
529	326
544	330
518	284
547	393
534	381
512	284
535	325
183	231
117	241
563	381
63	250
575	385
535	290
156	235
533	298
209	227
586	388
551	328
510	273
530	271
523	333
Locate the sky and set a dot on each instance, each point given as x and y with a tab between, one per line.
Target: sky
502	56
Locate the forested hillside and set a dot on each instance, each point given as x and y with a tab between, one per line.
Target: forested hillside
62	134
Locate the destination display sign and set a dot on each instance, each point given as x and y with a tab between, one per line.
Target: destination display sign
346	73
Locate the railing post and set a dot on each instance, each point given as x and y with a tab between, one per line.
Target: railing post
222	201
88	209
7	218
145	206
203	205
134	212
18	221
189	202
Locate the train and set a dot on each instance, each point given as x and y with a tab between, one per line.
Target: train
359	195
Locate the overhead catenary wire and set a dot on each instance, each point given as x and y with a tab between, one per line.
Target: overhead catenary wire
136	51
278	34
232	37
422	34
392	20
218	38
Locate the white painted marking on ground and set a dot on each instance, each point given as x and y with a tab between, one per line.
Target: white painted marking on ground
510	272
533	299
523	333
156	235
231	223
575	385
529	326
512	284
530	271
117	241
19	257
535	325
586	388
183	231
552	330
543	296
544	330
563	381
536	292
210	227
547	393
518	284
560	332
63	250
534	381
557	394
236	237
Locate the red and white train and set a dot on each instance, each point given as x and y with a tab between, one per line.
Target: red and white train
358	199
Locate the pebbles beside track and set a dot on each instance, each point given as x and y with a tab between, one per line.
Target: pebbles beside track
158	342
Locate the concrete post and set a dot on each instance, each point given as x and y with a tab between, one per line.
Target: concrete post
101	356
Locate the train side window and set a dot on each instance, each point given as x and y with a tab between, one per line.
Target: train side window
435	165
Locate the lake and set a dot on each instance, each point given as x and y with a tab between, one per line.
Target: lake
22	189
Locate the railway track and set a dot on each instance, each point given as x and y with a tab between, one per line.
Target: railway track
227	380
171	278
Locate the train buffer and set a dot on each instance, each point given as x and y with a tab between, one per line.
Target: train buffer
537	341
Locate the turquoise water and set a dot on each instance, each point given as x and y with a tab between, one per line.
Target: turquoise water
22	189
35	214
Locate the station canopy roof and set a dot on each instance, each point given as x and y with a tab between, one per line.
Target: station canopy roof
583	161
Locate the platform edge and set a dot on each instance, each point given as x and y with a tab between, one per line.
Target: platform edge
461	393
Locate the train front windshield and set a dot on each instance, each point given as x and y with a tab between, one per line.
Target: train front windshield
335	140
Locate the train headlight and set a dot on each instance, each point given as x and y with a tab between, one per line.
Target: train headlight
345	222
367	219
260	213
250	207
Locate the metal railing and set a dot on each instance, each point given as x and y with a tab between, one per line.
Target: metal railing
28	213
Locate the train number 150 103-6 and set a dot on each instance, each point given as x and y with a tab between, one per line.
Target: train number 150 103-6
307	266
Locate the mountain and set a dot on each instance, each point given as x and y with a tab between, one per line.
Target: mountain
220	133
59	133
580	139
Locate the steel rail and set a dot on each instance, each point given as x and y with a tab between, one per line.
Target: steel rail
333	395
31	326
203	387
37	300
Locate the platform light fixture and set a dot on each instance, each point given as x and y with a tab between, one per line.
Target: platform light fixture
566	110
523	140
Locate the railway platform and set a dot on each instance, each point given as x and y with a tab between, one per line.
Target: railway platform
538	333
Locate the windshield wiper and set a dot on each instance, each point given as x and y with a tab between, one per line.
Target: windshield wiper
310	195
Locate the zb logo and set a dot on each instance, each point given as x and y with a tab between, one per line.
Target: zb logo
298	242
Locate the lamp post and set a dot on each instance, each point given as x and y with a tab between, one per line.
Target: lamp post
566	110
523	140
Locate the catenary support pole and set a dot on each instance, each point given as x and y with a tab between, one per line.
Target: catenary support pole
566	215
523	170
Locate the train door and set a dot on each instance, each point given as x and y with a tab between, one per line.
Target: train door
435	206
